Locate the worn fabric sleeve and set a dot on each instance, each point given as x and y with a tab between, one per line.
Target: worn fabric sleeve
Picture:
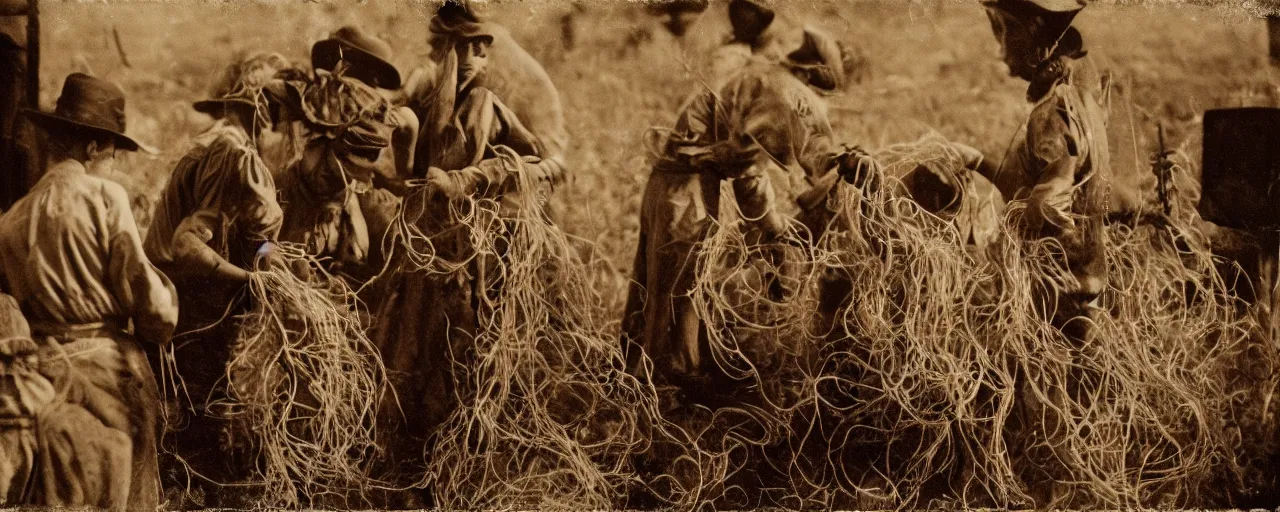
261	214
1052	150
777	128
143	292
248	190
818	150
194	250
1049	136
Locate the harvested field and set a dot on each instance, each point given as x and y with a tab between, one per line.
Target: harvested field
935	383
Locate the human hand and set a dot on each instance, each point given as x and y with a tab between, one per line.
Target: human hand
438	181
267	257
860	169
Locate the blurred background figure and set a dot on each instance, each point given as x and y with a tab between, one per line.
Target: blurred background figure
679	14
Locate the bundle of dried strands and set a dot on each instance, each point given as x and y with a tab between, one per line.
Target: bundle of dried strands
938	377
303	383
547	415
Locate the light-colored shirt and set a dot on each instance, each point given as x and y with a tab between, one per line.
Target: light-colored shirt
70	253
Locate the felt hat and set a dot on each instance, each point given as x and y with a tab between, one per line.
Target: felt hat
821	53
749	19
92	104
361	51
1050	17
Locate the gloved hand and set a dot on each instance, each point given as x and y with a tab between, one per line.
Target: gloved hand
860	169
267	257
439	182
726	159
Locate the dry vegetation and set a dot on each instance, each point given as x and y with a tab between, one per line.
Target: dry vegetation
912	397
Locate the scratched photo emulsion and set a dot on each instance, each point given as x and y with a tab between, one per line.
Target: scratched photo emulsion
639	255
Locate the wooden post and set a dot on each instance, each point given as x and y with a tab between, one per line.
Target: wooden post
33	54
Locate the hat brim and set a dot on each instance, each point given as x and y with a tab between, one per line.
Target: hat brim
53	122
1056	21
326	54
819	50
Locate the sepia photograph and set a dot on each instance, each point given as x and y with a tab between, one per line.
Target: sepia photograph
639	254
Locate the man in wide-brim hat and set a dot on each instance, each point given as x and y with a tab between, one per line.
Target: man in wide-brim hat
71	255
1061	169
516	78
354	139
217	211
1061	172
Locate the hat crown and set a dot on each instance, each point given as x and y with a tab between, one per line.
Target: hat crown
243	78
749	19
361	51
823	54
354	37
92	102
1044	6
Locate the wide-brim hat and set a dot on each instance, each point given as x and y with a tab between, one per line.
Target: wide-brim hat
360	50
1054	16
457	19
749	19
92	104
820	50
242	82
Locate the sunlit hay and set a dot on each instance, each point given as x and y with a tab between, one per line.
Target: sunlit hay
547	416
302	385
941	378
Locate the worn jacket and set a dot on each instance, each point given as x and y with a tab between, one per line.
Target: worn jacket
222	191
764	106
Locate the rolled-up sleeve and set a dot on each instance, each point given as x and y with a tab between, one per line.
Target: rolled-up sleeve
143	292
260	212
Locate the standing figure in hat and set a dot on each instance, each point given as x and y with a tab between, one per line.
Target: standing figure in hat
1061	169
71	255
1060	172
511	74
216	215
348	121
758	31
766	132
468	146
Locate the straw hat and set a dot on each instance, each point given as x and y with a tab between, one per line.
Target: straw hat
89	103
361	51
242	81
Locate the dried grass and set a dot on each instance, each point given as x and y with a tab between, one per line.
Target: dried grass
942	379
302	384
548	417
